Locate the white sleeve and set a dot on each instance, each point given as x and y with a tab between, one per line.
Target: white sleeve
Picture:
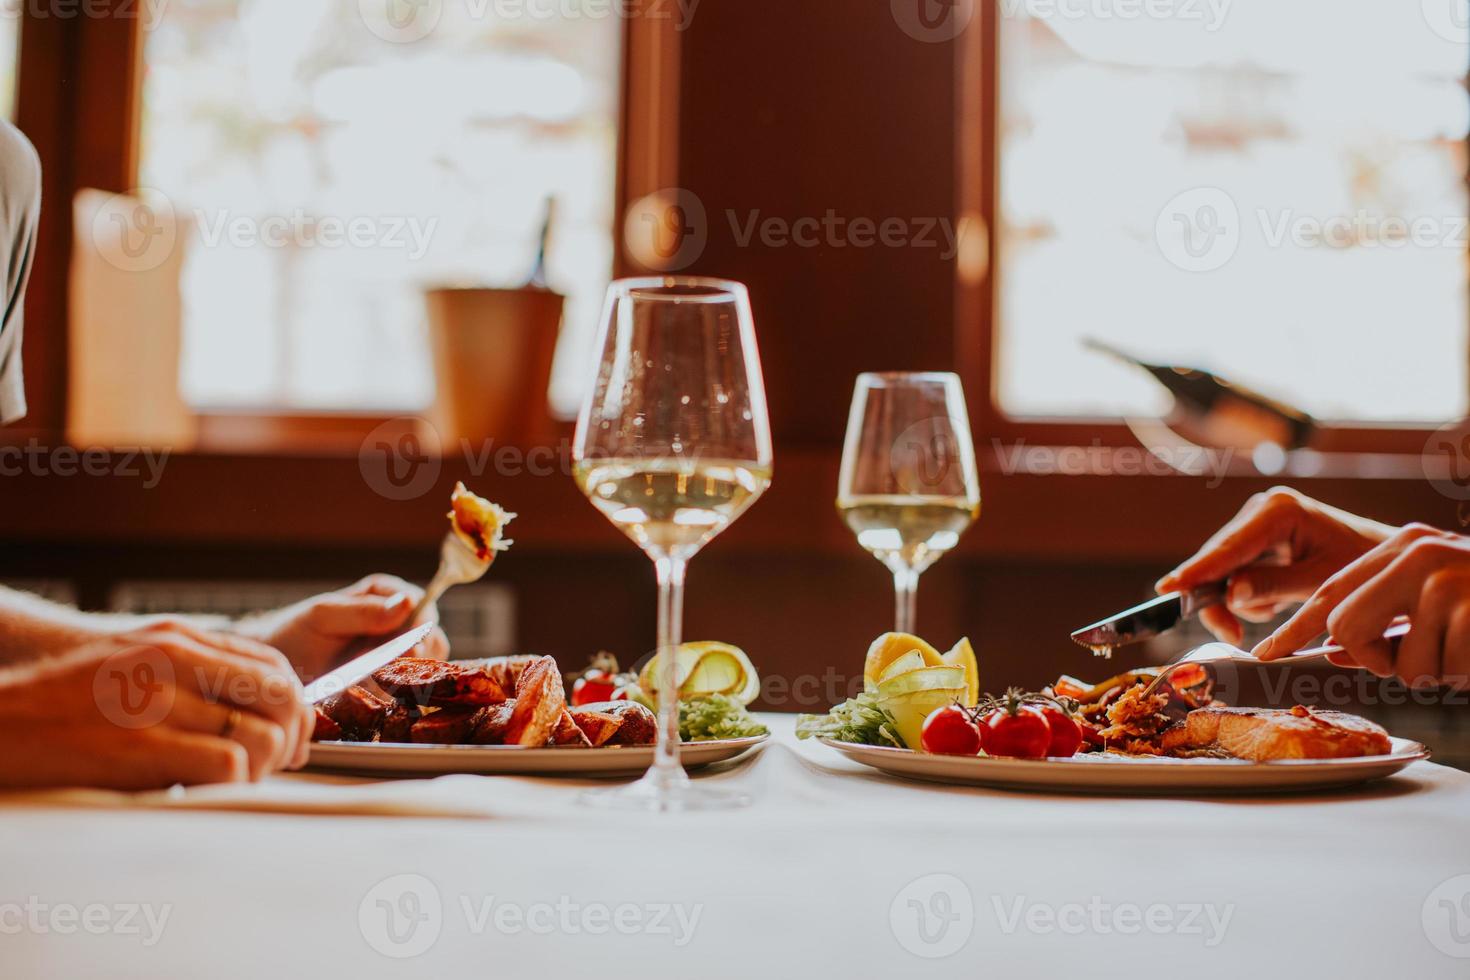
20	209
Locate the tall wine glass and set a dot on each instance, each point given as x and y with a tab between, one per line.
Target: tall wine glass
908	487
673	443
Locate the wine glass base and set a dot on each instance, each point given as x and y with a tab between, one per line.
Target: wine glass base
653	794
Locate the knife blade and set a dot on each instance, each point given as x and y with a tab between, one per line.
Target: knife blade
354	670
1148	619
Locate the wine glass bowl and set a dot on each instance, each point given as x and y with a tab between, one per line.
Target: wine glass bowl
908	486
673	443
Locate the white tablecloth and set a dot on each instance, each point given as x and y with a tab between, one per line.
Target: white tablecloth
835	871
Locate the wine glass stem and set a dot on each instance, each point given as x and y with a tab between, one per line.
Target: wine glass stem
905	596
666	769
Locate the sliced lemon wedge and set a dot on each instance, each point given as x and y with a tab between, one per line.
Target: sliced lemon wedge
911	661
923	679
706	667
890	647
963	655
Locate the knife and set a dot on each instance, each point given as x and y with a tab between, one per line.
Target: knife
354	670
1148	619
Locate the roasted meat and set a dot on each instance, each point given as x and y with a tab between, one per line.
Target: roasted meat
568	733
540	700
491	724
446	726
597	725
436	682
358	712
636	724
326	729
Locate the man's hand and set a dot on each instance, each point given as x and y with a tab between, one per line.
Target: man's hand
1420	572
1275	552
316	634
166	704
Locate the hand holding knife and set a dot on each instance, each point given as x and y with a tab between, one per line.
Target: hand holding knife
1148	619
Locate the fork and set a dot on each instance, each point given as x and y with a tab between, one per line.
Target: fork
458	565
1225	653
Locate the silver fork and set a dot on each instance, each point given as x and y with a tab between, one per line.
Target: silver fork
1225	653
458	565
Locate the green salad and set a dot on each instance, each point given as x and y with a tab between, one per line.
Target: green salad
858	720
715	716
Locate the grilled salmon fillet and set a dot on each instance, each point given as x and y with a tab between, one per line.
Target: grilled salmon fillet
1268	734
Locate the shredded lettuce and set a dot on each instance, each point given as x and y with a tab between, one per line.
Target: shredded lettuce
715	716
858	720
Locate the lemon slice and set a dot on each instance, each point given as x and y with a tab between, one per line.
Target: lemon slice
963	655
705	668
888	648
923	679
909	711
913	660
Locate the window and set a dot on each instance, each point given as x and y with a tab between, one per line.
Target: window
9	49
1271	190
336	158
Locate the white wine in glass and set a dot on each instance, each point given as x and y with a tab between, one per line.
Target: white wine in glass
908	487
673	444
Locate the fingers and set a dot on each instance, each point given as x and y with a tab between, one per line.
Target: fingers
193	759
1455	653
246	683
1310	621
265	742
368	614
1258	593
1265	520
1219	621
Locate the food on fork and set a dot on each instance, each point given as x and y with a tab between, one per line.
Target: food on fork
1266	734
478	523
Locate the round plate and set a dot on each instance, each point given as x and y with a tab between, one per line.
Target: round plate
402	759
1104	773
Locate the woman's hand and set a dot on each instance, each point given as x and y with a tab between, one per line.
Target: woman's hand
318	633
1420	572
1275	552
143	710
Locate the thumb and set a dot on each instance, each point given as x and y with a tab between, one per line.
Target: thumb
361	615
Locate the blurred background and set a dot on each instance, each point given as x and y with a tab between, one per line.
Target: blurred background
305	263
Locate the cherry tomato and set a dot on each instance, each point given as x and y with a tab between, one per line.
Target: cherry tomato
1091	734
1018	731
949	731
1066	734
592	687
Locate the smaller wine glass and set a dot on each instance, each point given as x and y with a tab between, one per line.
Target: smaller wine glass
909	486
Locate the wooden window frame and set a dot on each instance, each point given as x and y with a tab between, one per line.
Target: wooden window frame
78	99
977	328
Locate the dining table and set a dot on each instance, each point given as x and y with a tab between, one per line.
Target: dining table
832	870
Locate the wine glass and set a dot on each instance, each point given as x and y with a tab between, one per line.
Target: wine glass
908	487
672	444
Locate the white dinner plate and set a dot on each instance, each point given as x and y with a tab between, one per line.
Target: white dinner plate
403	759
1106	772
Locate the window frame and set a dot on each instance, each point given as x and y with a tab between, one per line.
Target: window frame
977	328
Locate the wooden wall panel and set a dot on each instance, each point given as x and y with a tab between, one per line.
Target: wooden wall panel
794	110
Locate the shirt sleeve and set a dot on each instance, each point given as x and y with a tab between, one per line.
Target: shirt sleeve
20	209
